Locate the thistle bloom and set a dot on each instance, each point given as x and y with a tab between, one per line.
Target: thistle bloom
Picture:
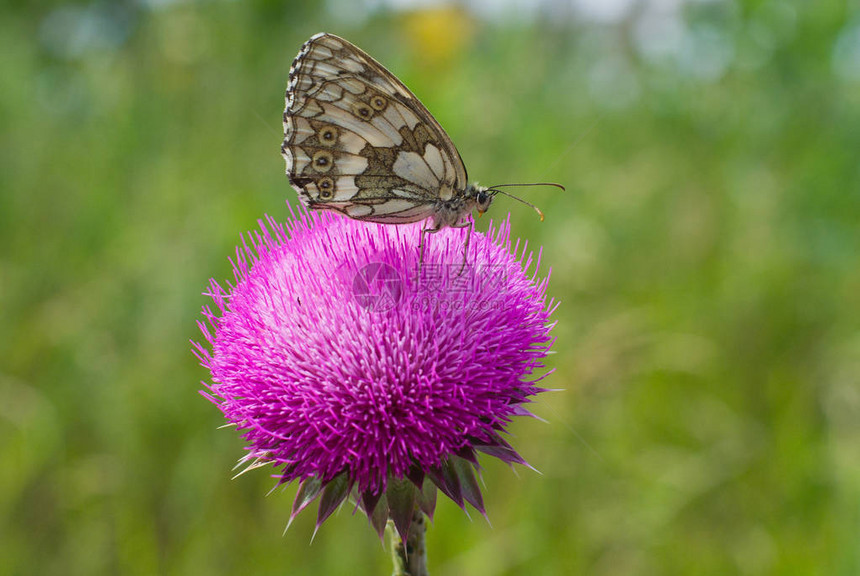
355	370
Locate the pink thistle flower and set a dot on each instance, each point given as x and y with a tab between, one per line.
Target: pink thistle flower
355	371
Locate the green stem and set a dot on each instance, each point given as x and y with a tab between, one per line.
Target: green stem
409	560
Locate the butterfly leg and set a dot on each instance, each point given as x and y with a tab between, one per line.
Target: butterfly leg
435	228
471	225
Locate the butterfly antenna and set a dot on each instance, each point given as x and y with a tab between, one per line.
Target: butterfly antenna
518	199
554	184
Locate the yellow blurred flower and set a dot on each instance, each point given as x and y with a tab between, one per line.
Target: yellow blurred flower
438	34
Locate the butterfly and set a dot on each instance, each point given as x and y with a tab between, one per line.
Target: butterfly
359	142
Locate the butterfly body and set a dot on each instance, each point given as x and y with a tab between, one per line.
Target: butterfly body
357	141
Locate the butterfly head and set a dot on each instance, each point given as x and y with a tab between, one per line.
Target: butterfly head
480	197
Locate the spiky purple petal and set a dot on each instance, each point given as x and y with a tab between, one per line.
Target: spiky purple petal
333	494
379	518
308	491
468	482
402	499
427	503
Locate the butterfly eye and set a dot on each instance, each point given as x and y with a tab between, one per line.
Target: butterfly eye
362	110
326	188
378	103
482	198
323	160
327	135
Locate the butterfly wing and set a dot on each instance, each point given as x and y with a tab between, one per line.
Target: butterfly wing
356	140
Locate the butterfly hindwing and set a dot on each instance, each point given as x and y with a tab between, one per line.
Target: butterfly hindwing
358	141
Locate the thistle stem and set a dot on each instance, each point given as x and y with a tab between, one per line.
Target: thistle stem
411	559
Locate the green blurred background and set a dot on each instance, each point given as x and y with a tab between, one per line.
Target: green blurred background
706	253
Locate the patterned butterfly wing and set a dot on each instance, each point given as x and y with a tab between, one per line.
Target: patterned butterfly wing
356	140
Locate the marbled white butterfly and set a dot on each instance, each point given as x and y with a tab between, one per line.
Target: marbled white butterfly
357	141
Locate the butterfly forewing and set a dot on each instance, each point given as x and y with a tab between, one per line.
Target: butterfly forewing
358	141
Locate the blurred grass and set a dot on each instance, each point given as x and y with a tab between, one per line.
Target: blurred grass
706	256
